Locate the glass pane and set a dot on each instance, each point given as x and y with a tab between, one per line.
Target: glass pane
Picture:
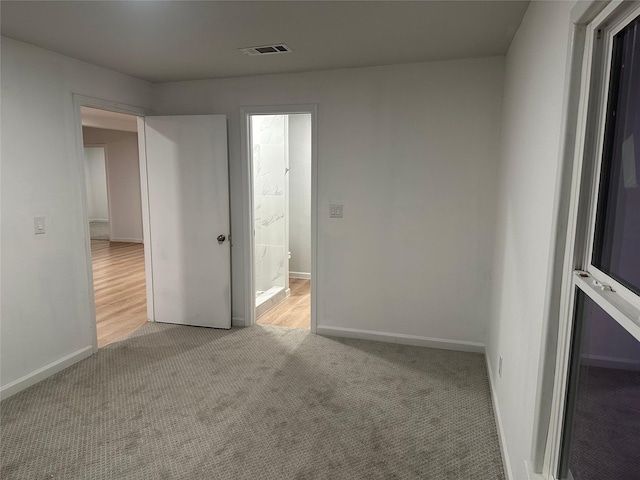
617	237
602	430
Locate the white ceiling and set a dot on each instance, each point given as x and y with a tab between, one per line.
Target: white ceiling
179	40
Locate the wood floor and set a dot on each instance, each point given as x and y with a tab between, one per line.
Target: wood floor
295	310
119	286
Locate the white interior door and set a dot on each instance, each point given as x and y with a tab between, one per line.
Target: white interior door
188	182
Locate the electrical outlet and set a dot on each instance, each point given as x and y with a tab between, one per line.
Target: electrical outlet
500	366
335	210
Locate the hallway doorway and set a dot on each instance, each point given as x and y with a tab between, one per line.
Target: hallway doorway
113	188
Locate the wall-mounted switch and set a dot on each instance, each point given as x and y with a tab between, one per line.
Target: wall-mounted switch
335	210
39	225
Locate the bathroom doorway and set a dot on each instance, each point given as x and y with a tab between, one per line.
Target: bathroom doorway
281	151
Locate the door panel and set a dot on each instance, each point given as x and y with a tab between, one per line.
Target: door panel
188	181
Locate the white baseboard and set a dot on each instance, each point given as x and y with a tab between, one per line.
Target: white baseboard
496	412
303	275
531	475
238	322
125	240
401	339
54	367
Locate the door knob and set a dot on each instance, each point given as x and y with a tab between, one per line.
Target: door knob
221	238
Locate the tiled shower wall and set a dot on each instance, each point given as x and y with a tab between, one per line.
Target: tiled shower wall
269	180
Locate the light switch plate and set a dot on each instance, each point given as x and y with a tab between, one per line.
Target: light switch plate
39	225
335	210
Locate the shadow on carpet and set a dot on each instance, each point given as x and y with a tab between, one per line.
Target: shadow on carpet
264	402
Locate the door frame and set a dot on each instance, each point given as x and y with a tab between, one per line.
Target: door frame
247	202
92	102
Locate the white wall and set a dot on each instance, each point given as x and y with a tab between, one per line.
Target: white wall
96	180
124	181
531	125
45	302
411	152
269	200
300	193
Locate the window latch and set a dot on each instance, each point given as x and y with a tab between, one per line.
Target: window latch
602	286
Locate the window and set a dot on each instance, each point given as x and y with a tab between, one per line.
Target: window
599	435
602	425
617	230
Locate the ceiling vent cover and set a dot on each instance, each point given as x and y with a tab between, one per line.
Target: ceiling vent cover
267	49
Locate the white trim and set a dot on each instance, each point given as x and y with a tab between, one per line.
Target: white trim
101	104
614	26
572	252
625	19
40	374
99	220
613	19
577	94
287	217
502	440
601	114
126	240
247	202
146	219
560	231
315	269
623	312
400	338
563	255
247	214
626	293
531	474
303	275
556	422
237	322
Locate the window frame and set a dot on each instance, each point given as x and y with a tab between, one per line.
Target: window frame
618	301
608	34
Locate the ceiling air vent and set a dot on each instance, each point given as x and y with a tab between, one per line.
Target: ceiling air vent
266	49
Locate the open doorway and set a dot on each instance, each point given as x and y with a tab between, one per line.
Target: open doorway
113	193
281	160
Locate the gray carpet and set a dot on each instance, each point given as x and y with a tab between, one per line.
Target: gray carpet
256	403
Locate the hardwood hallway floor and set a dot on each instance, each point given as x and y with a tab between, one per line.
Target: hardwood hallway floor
295	310
120	290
